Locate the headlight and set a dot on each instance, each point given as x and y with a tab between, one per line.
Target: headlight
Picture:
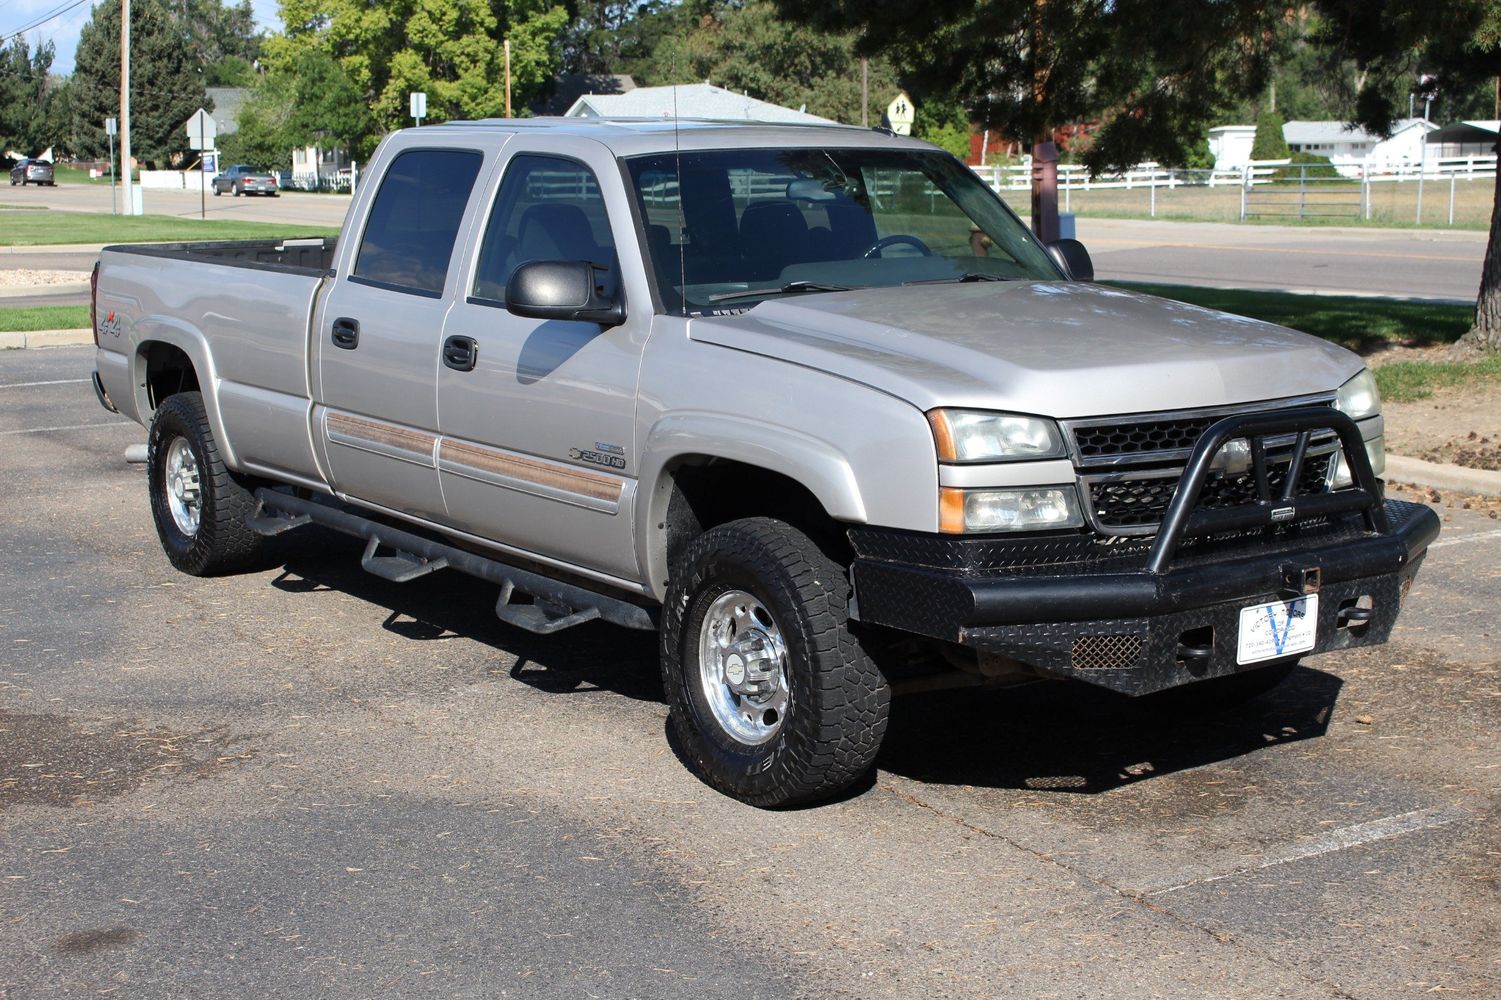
1036	509
980	436
1359	398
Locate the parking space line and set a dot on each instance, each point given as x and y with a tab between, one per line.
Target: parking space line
1480	536
28	385
1339	840
67	427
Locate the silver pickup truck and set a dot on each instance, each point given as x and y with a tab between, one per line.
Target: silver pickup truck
810	401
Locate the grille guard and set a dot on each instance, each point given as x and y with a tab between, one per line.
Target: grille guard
1182	521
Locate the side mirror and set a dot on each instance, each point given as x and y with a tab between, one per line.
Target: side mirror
1073	258
563	289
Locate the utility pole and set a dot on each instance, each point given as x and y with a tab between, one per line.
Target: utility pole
130	205
865	93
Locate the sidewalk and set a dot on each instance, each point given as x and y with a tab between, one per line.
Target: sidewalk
13	340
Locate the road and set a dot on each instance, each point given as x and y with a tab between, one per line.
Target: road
1429	263
306	781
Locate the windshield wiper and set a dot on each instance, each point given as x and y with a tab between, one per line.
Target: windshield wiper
790	287
966	276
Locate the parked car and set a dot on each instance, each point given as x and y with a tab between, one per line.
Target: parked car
31	171
245	179
761	388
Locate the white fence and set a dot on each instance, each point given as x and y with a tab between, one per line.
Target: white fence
341	181
1310	190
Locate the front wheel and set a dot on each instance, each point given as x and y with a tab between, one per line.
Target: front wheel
197	504
772	698
218	191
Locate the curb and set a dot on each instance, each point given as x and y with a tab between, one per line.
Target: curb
45	338
1442	476
59	288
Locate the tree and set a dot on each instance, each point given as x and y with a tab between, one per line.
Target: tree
1153	73
604	35
214	31
24	94
747	47
447	49
312	102
1403	46
1269	143
165	86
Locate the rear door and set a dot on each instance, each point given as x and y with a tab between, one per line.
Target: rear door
379	330
537	425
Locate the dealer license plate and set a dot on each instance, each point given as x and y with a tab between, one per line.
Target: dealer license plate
1281	628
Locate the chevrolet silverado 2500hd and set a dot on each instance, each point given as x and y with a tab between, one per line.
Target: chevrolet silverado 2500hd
811	401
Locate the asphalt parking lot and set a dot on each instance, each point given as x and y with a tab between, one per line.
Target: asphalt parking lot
306	781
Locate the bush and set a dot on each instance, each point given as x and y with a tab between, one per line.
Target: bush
1309	166
1269	143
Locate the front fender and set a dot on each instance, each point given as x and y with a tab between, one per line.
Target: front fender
818	465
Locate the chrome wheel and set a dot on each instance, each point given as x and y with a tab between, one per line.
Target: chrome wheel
183	488
742	664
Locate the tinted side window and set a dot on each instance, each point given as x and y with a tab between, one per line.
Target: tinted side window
415	218
547	209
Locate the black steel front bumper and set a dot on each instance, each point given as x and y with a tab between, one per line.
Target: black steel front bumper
1141	615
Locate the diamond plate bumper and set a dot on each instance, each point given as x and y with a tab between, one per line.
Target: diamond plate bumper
1074	607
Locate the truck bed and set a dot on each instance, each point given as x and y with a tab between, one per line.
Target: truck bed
312	255
253	301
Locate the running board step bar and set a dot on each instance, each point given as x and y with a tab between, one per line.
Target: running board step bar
556	605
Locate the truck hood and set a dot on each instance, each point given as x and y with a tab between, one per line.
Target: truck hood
1058	349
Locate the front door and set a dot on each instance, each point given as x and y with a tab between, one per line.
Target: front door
537	416
380	330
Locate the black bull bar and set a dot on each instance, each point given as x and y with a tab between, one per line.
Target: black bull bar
1039	613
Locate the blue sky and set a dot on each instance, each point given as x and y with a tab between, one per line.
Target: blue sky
63	30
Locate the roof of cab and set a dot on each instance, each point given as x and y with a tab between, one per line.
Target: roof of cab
636	136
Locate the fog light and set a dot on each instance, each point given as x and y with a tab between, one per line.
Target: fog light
1036	509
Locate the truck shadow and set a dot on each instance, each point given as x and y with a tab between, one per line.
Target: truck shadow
1065	737
590	658
1051	736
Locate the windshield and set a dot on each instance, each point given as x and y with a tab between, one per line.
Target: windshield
727	228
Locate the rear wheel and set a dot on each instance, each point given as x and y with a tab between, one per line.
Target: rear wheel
239	190
198	505
772	698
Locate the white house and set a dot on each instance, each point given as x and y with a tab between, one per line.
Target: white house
1349	149
692	100
1231	146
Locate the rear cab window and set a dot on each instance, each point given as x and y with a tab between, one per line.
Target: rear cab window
414	220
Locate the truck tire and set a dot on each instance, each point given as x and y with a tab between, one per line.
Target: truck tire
773	700
198	505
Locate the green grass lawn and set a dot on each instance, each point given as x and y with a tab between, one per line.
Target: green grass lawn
25	319
33	228
1361	324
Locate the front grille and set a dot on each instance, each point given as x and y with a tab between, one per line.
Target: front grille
1140	437
1130	466
1134	502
